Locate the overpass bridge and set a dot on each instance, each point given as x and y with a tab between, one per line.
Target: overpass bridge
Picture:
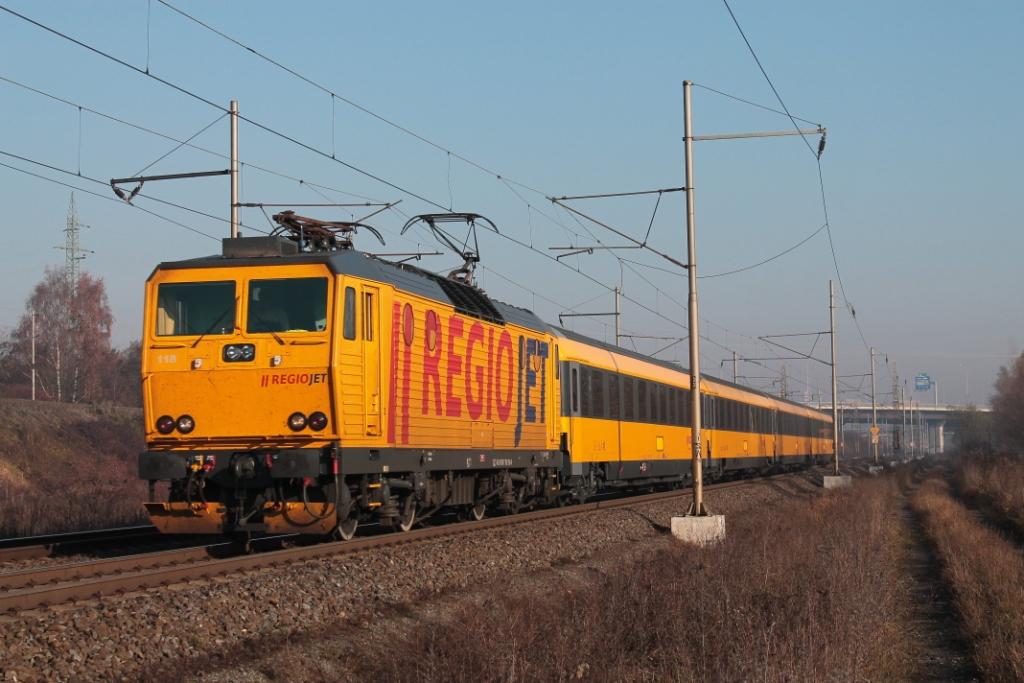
908	429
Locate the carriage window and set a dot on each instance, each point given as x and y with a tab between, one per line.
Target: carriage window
586	389
597	384
614	409
641	391
629	412
292	305
195	308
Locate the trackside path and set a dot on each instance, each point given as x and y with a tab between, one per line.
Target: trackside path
985	574
942	653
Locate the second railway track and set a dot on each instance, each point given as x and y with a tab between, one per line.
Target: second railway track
31	589
32	547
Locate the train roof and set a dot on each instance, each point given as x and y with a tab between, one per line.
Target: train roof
467	300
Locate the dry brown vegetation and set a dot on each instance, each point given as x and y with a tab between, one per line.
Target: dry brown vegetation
986	575
65	467
809	590
995	484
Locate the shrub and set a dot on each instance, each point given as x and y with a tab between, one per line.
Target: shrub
67	467
996	484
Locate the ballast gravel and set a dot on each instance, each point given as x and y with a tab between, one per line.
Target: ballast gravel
189	631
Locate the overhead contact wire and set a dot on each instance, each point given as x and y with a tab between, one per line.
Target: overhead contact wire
313	149
109	198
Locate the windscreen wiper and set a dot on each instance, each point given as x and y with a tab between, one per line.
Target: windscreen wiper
216	322
267	325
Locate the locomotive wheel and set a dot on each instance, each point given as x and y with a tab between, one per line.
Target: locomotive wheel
346	529
406	520
477	512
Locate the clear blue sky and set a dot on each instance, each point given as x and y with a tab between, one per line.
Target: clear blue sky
922	170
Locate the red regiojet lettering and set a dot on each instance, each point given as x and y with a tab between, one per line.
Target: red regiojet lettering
474	404
393	388
490	372
431	359
504	351
453	404
406	377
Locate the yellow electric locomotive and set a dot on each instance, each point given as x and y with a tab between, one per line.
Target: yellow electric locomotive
295	384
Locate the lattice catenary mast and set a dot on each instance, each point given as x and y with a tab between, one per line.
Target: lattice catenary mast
73	251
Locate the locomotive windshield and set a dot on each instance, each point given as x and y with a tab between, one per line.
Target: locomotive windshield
190	308
292	305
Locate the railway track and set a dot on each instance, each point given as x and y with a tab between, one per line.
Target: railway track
31	547
47	587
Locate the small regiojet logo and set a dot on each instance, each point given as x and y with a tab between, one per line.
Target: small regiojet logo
302	378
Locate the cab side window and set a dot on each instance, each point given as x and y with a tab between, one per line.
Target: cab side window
349	331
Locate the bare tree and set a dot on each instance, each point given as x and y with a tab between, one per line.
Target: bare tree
973	430
1008	406
74	359
126	384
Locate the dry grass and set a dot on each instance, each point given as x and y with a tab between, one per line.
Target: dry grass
986	575
808	590
67	467
995	484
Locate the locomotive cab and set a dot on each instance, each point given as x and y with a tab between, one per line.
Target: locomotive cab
237	376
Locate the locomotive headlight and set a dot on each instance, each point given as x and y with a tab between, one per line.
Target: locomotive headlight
165	424
317	421
238	353
186	424
296	422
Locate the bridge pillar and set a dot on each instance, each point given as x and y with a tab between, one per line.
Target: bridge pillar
940	433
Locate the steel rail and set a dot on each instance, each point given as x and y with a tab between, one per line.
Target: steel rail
127	577
42	576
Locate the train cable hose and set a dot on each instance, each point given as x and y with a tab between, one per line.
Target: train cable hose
429	513
200	487
328	511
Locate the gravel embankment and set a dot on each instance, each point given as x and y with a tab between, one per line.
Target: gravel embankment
178	632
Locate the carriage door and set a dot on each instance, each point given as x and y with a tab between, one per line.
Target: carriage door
370	335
